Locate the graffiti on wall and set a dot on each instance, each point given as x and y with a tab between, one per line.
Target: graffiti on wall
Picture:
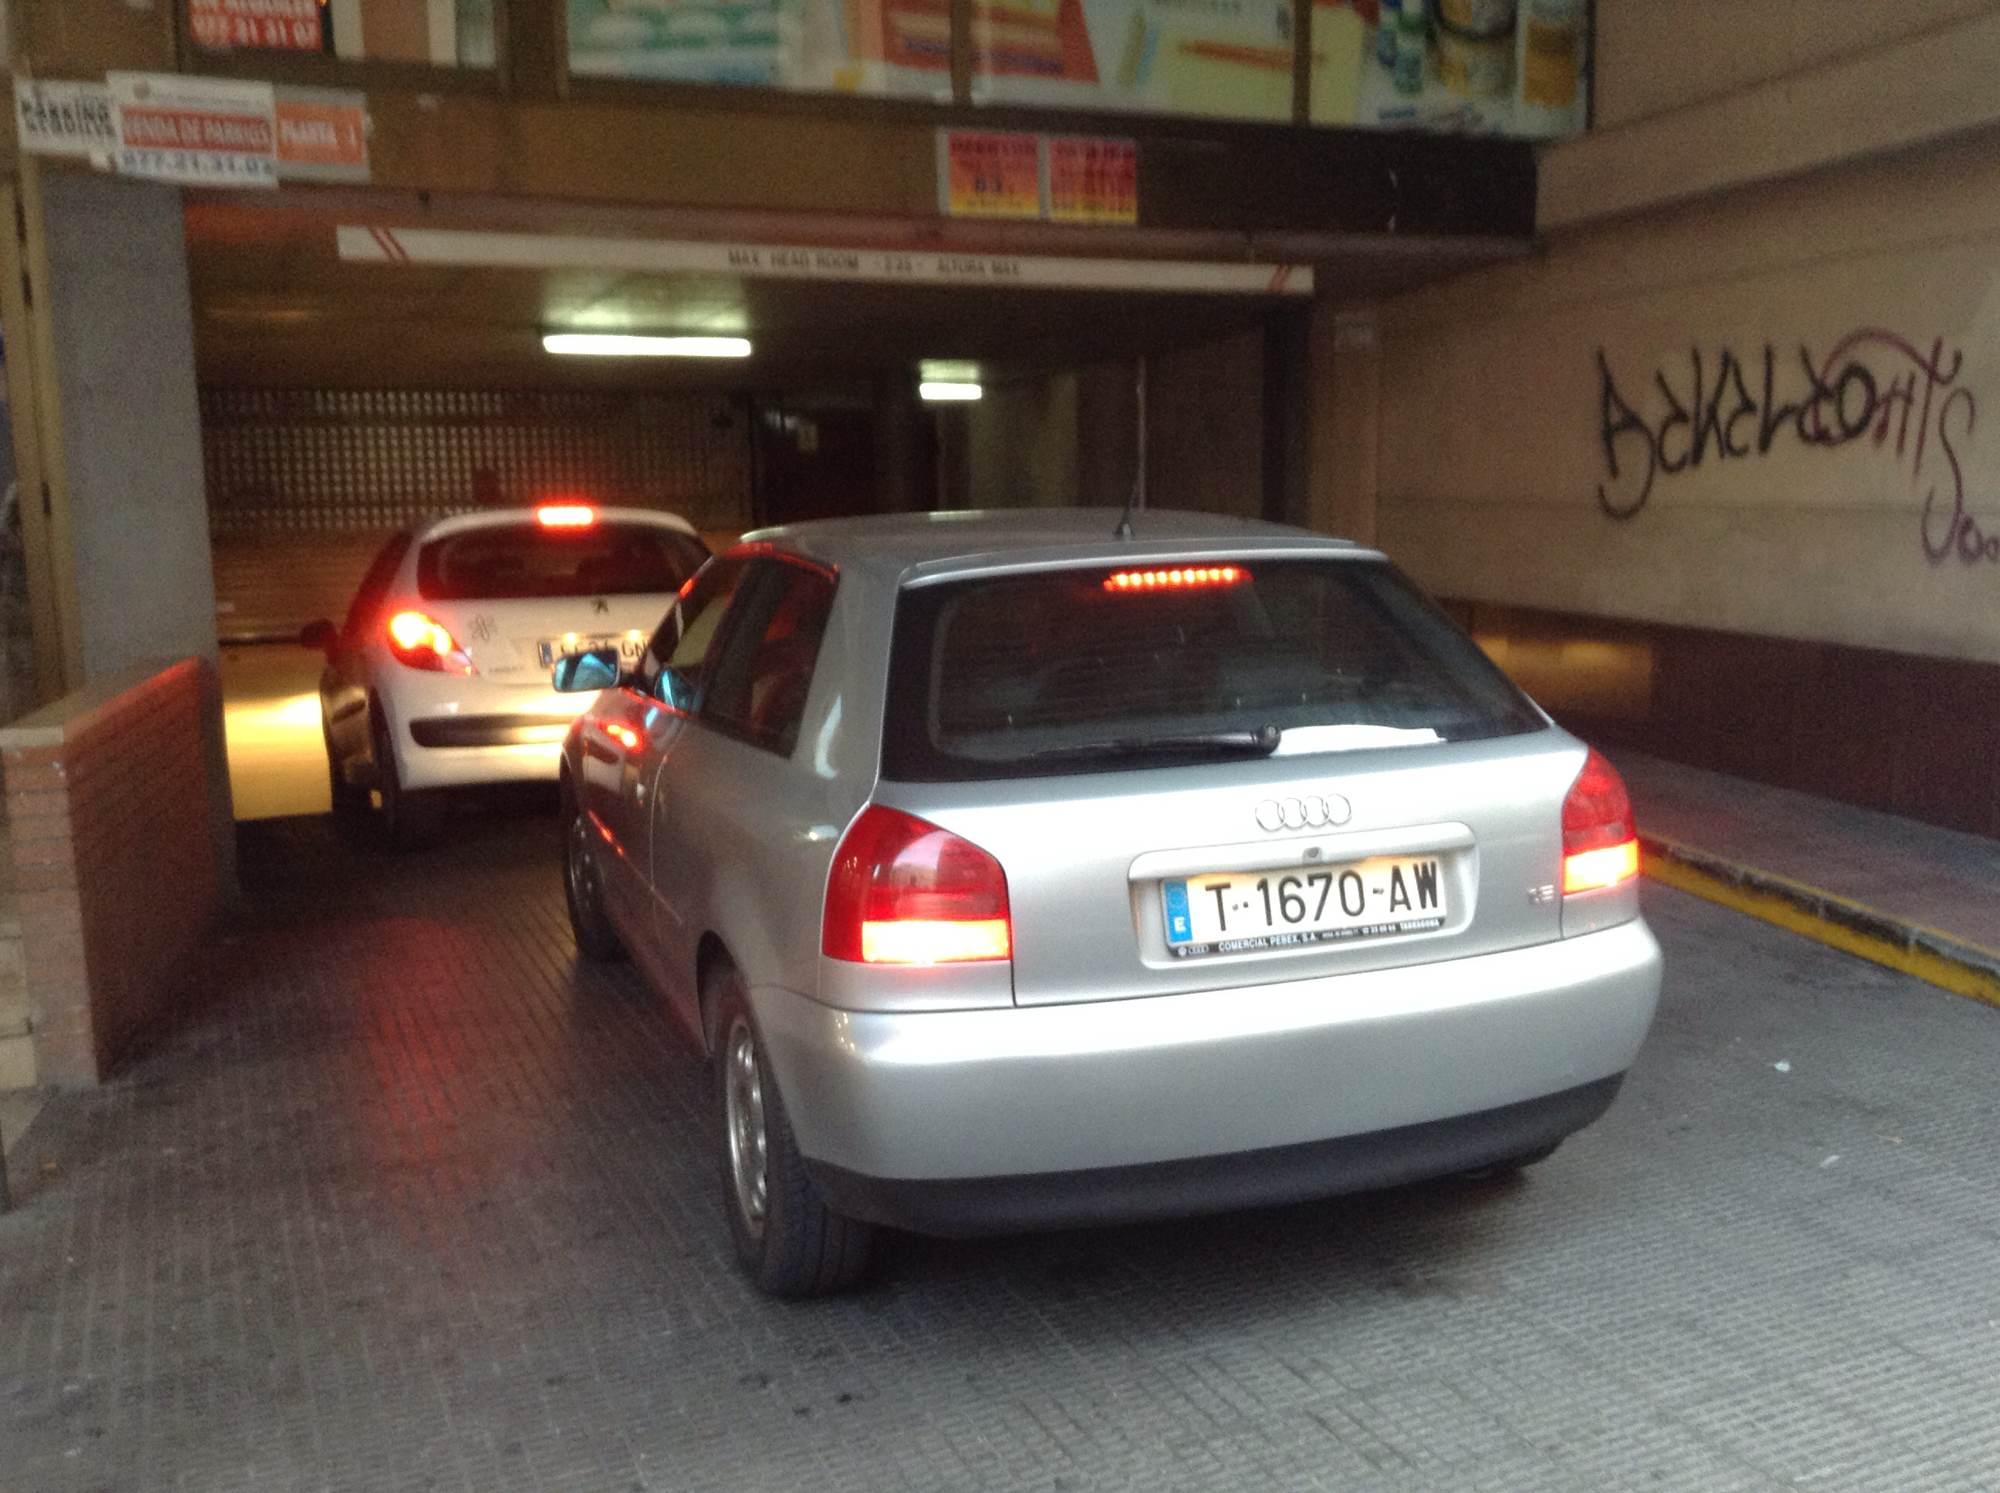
1874	391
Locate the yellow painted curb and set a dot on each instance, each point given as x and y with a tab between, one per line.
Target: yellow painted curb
1785	912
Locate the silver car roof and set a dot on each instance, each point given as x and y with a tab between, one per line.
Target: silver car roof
913	547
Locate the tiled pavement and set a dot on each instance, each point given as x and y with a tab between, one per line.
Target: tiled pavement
407	1200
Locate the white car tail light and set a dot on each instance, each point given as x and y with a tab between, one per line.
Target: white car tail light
903	891
420	641
1600	841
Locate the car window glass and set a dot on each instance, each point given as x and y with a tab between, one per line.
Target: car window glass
500	562
689	628
1062	670
757	686
374	587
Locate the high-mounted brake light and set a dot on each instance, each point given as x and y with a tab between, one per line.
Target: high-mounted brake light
565	515
421	641
903	891
1600	841
1176	578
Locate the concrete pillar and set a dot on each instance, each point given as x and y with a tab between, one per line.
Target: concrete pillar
905	466
1343	465
116	429
140	583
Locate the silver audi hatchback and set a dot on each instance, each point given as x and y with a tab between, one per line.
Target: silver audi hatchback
1022	870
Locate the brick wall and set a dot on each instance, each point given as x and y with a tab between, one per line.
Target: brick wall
114	812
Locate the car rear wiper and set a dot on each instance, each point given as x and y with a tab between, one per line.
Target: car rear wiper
1261	742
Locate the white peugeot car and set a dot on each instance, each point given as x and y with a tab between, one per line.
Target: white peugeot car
439	677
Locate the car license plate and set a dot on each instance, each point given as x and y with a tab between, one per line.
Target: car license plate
1239	912
629	645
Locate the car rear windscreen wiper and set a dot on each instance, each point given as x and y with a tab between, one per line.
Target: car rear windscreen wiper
1261	742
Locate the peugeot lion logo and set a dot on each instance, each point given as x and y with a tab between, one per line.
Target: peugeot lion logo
601	607
1309	812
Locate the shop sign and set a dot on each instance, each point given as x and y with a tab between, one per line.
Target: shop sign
205	132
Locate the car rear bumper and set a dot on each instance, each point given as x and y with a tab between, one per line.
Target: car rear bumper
456	732
1204	1184
1004	1101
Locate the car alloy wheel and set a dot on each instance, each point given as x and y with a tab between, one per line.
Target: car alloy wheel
743	1113
586	882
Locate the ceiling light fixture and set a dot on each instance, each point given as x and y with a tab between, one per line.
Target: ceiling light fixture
940	392
618	345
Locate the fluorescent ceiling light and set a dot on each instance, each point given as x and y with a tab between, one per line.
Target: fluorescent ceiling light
617	345
944	393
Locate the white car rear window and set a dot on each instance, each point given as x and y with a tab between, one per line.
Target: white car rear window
517	561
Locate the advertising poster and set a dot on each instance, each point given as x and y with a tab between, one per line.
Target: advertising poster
984	174
206	132
1484	67
839	46
1093	181
1229	58
268	25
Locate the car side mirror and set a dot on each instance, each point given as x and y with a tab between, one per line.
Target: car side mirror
677	690
585	673
321	636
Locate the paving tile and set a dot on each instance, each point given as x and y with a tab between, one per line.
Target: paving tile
410	1199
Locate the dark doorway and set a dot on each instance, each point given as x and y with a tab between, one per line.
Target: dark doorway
814	460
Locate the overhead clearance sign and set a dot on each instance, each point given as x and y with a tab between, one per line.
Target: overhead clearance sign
361	244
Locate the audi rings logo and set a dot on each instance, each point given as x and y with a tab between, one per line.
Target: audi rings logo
1309	812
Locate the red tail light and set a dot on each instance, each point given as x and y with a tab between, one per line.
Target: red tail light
422	642
1600	841
565	515
1176	578
903	891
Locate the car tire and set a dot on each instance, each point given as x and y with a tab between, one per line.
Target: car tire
411	817
788	1240
351	807
583	889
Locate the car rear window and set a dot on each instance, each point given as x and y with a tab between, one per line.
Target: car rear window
1020	675
514	561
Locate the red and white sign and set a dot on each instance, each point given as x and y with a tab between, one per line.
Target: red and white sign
268	25
198	131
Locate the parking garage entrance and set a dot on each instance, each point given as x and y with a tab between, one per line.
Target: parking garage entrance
364	366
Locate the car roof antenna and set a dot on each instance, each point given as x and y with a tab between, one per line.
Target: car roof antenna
1136	498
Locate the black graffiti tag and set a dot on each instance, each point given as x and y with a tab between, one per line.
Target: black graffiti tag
1873	384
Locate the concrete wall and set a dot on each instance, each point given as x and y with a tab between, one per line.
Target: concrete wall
1021	444
1592	431
1071	437
123	336
1699	96
1654	56
1205	427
